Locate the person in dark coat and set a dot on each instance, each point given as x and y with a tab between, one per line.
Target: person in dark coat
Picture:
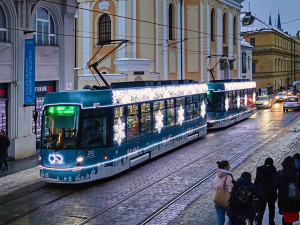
247	212
264	180
4	144
287	206
297	160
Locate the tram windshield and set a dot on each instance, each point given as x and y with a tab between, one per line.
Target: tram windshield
60	127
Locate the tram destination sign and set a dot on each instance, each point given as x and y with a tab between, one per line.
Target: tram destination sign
29	72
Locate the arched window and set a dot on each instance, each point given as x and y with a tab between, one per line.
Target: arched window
234	30
224	28
3	25
104	28
171	22
44	27
212	25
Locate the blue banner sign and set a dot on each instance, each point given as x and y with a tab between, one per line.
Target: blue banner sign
29	72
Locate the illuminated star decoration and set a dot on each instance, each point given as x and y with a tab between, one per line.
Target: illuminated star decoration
238	99
159	121
254	97
226	104
246	99
119	131
180	115
203	109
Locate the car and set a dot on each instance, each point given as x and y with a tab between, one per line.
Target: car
263	101
291	102
280	96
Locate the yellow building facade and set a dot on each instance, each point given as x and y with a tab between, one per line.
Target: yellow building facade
171	39
276	55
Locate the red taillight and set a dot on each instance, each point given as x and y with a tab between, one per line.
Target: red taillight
78	164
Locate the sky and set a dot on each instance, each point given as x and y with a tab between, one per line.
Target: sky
288	9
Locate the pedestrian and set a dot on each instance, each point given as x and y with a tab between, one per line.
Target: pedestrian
241	201
259	91
288	207
264	180
223	175
297	160
4	144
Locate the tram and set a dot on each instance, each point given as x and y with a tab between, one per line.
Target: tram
229	101
93	134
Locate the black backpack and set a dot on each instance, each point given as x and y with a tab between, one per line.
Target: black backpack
240	196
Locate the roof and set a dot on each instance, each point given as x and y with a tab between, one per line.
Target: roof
251	23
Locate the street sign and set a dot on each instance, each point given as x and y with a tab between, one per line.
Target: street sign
29	72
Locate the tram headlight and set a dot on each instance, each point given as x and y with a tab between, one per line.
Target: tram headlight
79	161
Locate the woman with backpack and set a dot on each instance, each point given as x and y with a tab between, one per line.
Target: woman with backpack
264	180
289	208
223	177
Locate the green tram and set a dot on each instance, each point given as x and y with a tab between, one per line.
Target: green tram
229	101
93	134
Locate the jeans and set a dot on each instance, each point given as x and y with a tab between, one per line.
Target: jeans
221	211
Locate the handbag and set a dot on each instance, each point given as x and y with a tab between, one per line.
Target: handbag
222	195
294	192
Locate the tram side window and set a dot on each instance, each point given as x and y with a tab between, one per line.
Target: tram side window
250	96
118	114
230	100
189	107
159	115
196	101
180	110
94	128
171	120
234	99
132	122
146	122
242	96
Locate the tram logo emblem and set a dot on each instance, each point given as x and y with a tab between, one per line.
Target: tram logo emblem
55	159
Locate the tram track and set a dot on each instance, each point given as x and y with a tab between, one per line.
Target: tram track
95	215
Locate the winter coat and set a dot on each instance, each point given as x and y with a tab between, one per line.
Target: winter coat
297	162
264	180
220	178
248	211
284	177
4	144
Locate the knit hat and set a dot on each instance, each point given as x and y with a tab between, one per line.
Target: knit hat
269	161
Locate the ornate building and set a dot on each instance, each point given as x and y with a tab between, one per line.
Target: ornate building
50	27
276	54
172	39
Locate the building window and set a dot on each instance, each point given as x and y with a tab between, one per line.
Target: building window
275	65
249	61
44	27
244	63
253	68
212	25
171	22
224	28
3	26
234	30
104	28
252	42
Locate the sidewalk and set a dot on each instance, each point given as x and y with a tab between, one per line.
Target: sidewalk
15	166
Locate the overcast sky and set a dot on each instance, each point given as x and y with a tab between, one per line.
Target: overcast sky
288	9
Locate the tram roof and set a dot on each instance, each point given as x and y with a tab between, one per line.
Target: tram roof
231	84
126	93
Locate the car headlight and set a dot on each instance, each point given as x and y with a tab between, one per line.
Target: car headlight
265	103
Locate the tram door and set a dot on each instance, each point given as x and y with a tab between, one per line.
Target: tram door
41	89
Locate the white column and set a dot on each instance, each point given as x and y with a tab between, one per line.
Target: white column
239	54
180	14
134	28
208	41
121	26
157	40
165	37
230	35
86	45
219	39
